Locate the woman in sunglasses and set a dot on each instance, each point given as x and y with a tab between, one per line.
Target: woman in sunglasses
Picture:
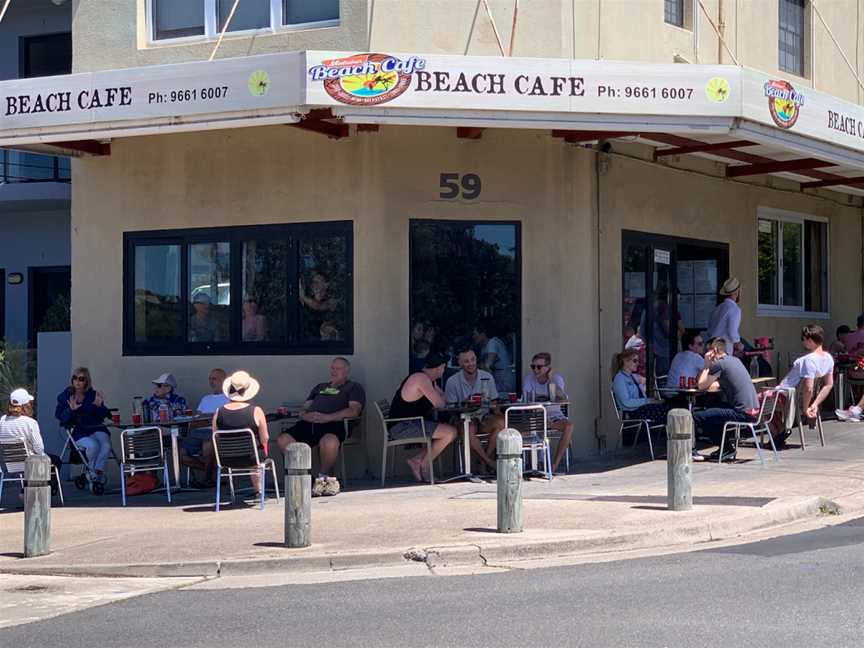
82	409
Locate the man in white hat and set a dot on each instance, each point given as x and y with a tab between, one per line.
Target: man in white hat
725	319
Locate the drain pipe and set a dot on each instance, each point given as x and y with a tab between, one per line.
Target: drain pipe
599	166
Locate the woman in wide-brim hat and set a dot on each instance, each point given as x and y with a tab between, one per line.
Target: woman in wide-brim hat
240	388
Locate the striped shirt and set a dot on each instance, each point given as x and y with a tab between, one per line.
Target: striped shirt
13	428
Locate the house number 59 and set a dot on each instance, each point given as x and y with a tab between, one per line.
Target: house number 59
467	186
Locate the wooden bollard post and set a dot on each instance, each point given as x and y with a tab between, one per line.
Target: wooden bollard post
298	495
37	506
679	435
509	448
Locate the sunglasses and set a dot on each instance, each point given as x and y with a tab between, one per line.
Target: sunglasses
537	367
82	378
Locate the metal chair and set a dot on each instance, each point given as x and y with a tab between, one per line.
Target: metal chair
817	386
383	409
635	424
13	454
350	425
554	435
72	454
237	453
760	426
141	450
530	421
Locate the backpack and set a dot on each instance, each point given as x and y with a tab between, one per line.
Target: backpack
140	483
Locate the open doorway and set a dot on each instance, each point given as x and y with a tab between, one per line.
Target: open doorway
50	297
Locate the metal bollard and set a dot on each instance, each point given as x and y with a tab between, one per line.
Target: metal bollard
509	447
298	495
679	435
37	506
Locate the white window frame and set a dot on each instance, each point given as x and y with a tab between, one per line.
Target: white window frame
798	312
211	25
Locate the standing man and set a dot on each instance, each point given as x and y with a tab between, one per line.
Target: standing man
495	358
459	389
738	390
321	424
725	319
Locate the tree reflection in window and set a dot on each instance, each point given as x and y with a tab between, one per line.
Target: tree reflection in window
265	290
158	314
324	280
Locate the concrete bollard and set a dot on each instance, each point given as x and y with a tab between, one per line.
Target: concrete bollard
679	449
298	495
509	448
37	506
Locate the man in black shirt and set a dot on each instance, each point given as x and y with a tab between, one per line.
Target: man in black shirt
322	421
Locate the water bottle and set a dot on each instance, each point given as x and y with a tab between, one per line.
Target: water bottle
484	389
754	367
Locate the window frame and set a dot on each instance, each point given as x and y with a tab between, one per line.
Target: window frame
806	29
211	25
294	233
779	310
682	6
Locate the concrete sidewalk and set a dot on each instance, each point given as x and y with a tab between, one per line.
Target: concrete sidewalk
610	506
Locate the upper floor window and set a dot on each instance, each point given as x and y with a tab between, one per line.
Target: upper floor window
791	36
276	289
673	12
45	55
181	18
792	253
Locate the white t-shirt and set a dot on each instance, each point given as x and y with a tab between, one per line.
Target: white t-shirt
13	428
457	389
531	385
211	402
685	363
812	365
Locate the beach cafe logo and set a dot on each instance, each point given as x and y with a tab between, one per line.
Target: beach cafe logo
366	79
783	102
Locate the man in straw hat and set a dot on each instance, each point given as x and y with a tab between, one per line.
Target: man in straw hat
321	424
725	319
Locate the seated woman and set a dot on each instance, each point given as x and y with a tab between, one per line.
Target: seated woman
19	424
629	389
240	414
82	409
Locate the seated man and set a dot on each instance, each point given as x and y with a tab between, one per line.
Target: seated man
737	388
418	396
687	363
321	424
196	449
461	386
540	384
164	396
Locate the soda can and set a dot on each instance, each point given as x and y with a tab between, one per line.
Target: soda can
682	382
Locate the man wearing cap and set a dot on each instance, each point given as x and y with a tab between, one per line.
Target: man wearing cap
725	319
322	422
19	425
202	327
163	394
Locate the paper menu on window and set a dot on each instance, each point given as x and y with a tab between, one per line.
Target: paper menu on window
685	277
685	309
703	305
705	276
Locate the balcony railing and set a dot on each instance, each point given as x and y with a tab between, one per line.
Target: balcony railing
18	166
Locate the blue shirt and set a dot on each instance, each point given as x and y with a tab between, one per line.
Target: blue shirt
176	406
85	420
628	392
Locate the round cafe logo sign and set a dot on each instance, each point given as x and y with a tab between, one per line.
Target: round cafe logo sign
366	79
784	103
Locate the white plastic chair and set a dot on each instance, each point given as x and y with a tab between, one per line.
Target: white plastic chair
237	453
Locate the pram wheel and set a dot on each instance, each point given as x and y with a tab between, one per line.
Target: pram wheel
81	481
98	488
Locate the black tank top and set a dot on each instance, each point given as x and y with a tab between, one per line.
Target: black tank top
239	419
400	408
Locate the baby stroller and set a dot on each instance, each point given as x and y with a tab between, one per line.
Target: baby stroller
88	478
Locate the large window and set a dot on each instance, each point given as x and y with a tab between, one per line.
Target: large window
673	12
465	292
793	263
184	18
791	37
239	290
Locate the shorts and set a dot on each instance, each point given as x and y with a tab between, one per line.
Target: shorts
193	444
312	433
411	429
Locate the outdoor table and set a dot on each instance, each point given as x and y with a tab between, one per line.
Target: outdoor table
690	393
467	412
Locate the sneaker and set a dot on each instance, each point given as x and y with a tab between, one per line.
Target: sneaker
697	457
852	414
729	454
331	487
318	486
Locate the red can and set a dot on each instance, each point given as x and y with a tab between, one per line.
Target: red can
682	382
115	418
476	398
136	419
691	382
163	415
512	397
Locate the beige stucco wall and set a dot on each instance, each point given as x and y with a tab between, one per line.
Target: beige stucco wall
112	34
636	195
380	181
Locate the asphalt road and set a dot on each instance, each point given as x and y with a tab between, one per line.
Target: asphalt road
800	590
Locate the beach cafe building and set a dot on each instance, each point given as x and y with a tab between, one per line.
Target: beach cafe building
271	212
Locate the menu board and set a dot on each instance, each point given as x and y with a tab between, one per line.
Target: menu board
697	290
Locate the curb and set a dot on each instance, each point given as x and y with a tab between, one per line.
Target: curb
482	553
